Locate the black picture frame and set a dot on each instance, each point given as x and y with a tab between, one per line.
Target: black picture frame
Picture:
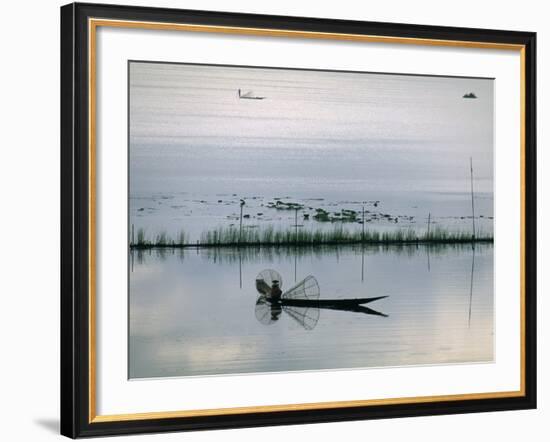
76	402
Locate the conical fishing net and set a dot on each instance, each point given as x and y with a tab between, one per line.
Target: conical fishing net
268	276
305	289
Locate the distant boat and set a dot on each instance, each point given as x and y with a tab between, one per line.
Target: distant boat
249	96
469	95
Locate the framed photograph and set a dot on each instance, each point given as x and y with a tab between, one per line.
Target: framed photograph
274	220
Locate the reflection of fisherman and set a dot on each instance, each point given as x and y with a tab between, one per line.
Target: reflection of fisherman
276	310
275	293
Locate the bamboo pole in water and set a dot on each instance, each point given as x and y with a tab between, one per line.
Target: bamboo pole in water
472	187
471	285
296	223
363	245
363	226
428	237
241	222
295	242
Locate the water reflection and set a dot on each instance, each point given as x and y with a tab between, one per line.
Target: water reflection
190	310
301	302
230	255
471	284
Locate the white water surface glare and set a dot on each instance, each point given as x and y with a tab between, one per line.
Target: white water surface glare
394	149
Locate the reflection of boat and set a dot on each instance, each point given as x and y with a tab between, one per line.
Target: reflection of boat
249	96
301	302
335	304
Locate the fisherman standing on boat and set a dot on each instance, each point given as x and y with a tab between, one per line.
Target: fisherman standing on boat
276	292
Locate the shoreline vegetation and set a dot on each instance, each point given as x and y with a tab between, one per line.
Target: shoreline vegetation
271	237
237	237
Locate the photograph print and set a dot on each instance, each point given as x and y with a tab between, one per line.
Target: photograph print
288	220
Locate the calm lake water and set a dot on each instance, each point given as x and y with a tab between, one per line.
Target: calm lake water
193	312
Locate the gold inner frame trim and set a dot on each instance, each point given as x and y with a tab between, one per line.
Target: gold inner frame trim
293	407
93	24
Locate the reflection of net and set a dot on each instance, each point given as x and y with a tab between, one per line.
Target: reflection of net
268	276
268	311
306	289
307	317
264	311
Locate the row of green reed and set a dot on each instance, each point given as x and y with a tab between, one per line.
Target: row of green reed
270	236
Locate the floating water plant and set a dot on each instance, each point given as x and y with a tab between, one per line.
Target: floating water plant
281	205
